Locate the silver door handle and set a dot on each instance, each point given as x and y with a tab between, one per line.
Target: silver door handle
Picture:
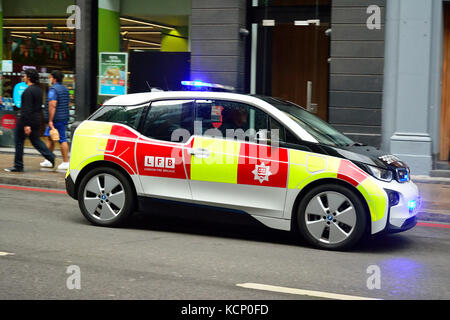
308	95
199	153
310	106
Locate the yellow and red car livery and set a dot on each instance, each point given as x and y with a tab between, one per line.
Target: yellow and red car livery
286	186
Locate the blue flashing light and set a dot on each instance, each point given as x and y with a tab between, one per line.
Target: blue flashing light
412	205
200	85
196	83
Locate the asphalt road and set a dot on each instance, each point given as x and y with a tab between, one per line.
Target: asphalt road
173	253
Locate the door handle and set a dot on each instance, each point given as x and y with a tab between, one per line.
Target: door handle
310	106
308	95
199	153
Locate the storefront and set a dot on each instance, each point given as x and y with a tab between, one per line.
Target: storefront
125	39
32	42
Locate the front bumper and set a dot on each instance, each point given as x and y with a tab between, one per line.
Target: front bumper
402	217
70	187
408	224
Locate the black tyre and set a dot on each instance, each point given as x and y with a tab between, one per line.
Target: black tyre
106	197
332	217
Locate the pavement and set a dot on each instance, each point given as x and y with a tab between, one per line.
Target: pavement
435	192
33	175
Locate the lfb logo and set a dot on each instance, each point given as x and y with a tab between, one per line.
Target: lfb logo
262	172
159	162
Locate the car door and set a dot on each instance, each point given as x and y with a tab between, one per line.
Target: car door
166	132
230	166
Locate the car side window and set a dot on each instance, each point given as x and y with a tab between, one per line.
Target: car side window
290	138
170	120
275	125
229	119
286	137
127	115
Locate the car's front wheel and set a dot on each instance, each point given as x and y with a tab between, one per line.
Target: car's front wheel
332	217
105	197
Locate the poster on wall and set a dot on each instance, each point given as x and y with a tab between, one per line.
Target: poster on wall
113	73
7	66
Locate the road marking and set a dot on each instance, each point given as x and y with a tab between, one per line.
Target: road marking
33	189
3	254
301	292
433	225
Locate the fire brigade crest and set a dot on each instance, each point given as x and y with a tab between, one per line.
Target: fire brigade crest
262	172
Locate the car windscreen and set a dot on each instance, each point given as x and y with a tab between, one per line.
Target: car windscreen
319	129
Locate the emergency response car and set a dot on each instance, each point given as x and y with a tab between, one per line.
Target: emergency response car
257	155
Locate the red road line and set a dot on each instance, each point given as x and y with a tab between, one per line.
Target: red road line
433	225
33	189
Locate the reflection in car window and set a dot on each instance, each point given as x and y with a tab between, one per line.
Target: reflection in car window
164	117
227	117
319	129
129	116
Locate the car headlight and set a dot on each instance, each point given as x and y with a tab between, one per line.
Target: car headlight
403	175
380	174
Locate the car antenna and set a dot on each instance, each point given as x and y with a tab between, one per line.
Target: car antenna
149	88
165	80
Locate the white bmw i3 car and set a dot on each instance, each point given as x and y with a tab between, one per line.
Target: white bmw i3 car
262	156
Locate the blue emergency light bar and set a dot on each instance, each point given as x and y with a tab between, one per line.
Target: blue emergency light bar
205	86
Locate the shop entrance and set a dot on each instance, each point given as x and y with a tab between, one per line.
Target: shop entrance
445	111
292	52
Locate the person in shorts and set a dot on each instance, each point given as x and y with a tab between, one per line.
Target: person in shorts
57	114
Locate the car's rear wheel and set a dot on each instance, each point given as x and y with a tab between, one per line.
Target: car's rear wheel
332	217
105	197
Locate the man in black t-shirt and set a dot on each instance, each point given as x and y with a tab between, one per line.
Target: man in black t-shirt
29	122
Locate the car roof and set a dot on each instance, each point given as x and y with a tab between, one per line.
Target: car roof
141	98
136	99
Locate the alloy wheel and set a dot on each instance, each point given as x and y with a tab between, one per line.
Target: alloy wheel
104	197
330	217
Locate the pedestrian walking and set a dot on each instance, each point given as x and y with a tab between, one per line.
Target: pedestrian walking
29	122
57	114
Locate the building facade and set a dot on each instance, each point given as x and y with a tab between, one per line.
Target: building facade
386	79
